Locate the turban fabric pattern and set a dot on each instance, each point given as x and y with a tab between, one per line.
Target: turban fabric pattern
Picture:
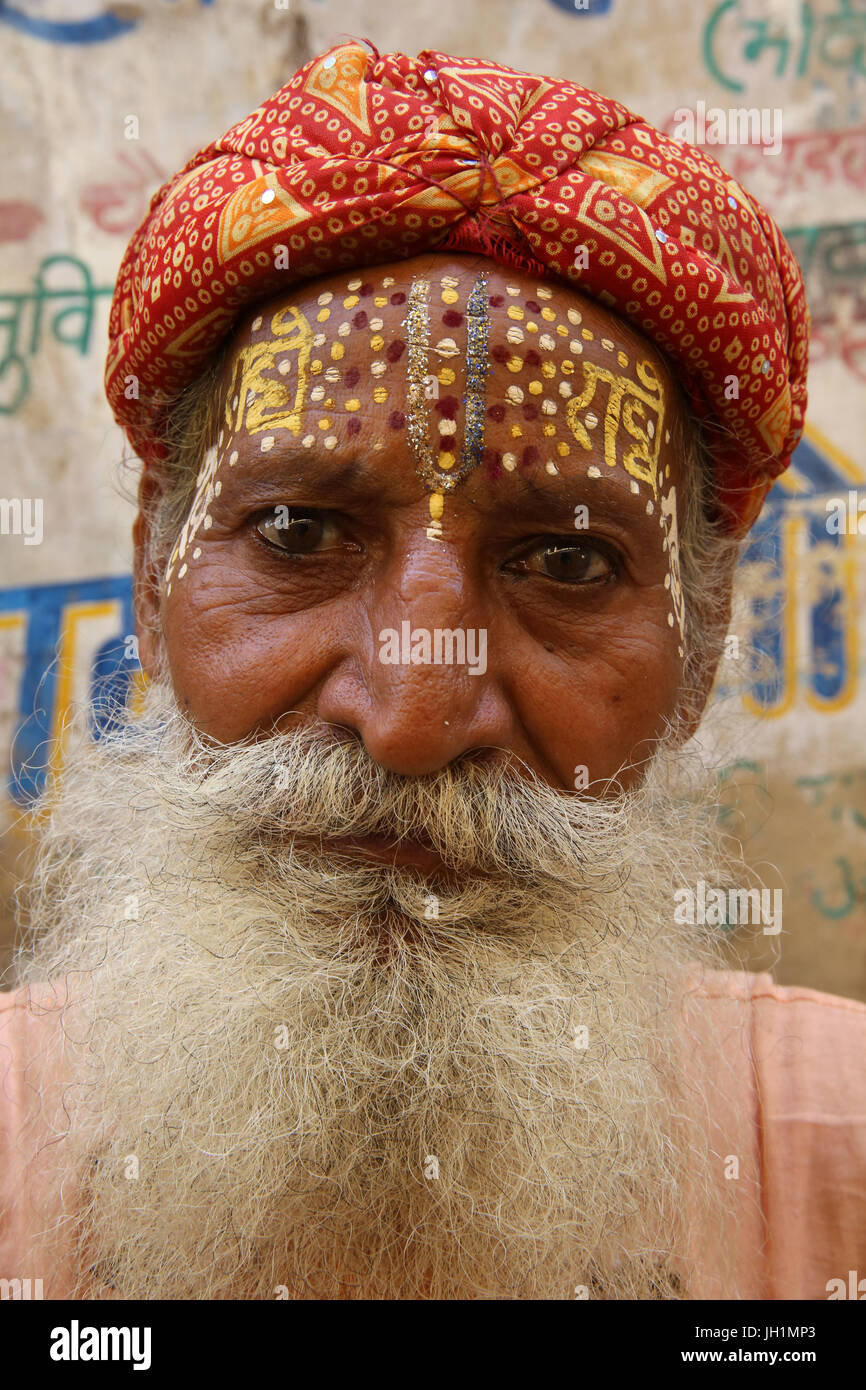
363	158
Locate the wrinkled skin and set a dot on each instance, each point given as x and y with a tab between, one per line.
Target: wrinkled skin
582	663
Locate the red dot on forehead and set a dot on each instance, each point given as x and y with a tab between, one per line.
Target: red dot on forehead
492	460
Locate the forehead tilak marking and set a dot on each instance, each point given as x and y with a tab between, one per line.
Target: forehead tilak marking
443	474
206	489
258	402
417	325
673	580
542	396
637	407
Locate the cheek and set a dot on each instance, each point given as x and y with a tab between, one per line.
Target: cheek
598	707
235	667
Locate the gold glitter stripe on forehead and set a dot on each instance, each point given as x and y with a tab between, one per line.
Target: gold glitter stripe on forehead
417	325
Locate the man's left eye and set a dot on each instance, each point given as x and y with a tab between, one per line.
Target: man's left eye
570	561
299	531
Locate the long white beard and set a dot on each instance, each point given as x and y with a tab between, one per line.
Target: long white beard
313	1077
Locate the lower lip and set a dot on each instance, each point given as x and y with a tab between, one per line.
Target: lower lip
407	854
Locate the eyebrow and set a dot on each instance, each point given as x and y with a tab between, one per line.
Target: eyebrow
323	471
556	492
319	473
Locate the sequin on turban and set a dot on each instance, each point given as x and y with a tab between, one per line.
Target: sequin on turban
362	159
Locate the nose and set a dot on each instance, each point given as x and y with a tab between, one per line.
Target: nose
420	681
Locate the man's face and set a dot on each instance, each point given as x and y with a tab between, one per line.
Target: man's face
434	447
355	1085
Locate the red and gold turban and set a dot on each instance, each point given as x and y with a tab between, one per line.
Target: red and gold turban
362	159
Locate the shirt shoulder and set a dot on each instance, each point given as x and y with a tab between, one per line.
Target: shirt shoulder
31	1048
806	1056
748	986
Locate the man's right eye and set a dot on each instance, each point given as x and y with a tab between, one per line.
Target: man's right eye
299	530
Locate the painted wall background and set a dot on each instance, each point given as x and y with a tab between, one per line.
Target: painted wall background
100	102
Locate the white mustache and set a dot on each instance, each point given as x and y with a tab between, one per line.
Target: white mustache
481	814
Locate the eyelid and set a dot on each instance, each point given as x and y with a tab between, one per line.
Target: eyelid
303	508
295	510
560	541
324	514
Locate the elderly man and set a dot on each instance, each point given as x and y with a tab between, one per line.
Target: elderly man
356	967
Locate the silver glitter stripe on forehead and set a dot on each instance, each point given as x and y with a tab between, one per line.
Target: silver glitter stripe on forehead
477	372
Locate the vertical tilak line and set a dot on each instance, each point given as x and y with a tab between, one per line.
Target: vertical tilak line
477	372
417	325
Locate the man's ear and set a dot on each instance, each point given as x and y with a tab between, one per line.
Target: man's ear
146	580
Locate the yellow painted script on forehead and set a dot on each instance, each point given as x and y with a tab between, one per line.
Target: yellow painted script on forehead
259	402
638	408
